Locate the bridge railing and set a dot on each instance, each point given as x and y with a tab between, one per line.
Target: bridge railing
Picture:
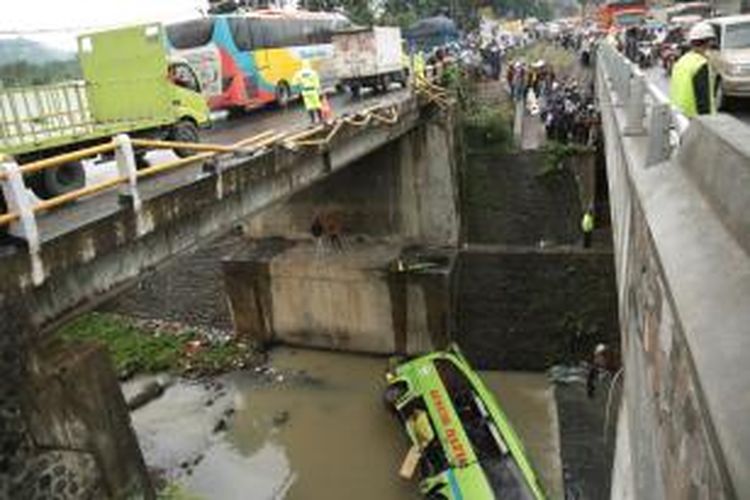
649	111
20	218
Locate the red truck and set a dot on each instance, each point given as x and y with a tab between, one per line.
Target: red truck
609	11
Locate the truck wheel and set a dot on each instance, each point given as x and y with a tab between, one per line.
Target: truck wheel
385	83
56	181
185	131
356	90
283	94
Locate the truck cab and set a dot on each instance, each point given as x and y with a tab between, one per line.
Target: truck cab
127	89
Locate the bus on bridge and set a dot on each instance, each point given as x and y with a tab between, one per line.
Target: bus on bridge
248	59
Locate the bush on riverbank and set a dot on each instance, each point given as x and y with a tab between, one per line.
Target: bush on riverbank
137	349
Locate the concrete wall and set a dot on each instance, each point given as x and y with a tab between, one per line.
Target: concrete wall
527	309
405	191
683	276
282	291
189	290
64	431
520	199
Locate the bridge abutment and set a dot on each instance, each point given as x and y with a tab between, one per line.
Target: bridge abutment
65	428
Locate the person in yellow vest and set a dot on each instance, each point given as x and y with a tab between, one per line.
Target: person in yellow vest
692	86
419	66
309	82
587	226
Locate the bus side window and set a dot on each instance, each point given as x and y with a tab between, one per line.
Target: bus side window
242	33
433	460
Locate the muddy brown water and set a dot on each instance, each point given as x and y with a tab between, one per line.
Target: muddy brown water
313	426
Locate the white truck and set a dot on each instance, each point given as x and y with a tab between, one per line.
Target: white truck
369	57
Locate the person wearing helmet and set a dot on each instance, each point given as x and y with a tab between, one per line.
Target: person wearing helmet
692	86
308	80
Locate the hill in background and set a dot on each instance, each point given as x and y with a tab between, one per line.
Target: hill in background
13	50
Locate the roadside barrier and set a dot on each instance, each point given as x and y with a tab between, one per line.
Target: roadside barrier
648	110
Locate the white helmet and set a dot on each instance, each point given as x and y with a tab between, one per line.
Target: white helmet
700	32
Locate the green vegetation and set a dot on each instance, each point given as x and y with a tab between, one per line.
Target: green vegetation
563	61
22	73
489	130
405	12
134	349
174	491
556	153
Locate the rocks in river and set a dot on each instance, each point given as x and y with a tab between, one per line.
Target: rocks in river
221	425
145	394
280	418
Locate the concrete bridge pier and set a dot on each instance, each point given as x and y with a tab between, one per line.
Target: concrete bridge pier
388	289
64	426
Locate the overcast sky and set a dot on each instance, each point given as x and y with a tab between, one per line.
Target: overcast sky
28	17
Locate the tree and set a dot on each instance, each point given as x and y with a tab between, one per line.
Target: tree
359	11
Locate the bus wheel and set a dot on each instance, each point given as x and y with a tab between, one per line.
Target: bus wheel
283	94
185	131
53	182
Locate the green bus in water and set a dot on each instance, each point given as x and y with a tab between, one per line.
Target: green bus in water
463	444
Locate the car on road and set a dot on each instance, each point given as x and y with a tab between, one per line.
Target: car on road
465	446
731	58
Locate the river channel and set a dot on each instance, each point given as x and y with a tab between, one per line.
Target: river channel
311	425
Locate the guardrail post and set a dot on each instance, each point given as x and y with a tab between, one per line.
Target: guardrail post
18	201
659	147
636	107
126	167
624	75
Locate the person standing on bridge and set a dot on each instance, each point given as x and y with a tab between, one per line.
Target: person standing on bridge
692	86
309	82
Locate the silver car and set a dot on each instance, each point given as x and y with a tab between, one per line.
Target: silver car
731	58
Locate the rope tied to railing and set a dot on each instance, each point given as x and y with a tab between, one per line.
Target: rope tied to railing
386	115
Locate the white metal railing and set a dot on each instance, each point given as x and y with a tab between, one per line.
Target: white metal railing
648	110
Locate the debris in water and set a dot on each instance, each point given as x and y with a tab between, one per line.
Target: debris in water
280	418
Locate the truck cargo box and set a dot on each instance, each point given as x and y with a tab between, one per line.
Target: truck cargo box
368	56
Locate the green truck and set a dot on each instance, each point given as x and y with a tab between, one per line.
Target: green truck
130	86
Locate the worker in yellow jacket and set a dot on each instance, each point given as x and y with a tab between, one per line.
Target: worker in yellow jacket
308	80
692	86
419	66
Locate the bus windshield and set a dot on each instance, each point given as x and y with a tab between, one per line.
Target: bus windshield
628	19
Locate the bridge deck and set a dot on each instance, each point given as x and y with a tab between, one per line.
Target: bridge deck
101	205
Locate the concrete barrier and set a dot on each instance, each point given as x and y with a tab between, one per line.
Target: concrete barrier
680	228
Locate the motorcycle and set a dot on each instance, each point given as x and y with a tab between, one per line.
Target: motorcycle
645	54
